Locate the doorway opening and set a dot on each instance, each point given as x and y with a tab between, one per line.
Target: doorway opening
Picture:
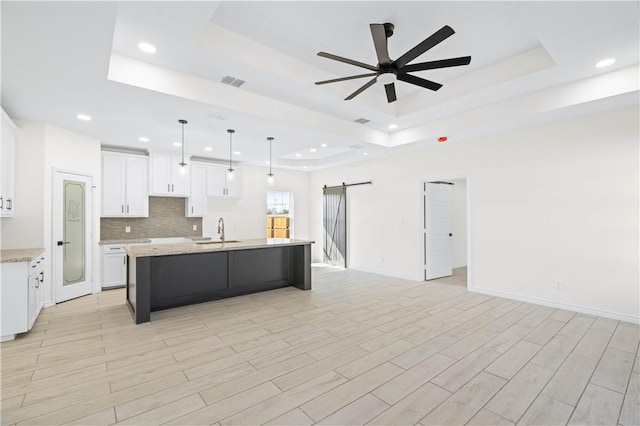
279	214
445	231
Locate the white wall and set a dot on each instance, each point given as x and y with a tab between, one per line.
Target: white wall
69	151
26	228
458	217
247	217
553	202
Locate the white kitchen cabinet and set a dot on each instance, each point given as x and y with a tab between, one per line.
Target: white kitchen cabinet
124	185
7	166
196	205
22	295
219	186
114	266
166	177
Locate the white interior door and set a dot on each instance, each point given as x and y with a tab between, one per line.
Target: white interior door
437	231
72	236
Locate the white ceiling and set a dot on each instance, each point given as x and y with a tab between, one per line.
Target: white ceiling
531	62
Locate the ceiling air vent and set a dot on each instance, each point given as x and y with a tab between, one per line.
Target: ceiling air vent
362	120
232	81
215	116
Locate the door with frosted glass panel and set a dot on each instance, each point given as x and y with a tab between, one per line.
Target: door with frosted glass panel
72	206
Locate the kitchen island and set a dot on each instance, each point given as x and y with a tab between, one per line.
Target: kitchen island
162	276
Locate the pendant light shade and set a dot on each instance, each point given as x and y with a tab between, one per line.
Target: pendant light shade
230	174
183	165
270	179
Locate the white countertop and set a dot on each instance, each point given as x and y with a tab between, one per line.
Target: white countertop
194	247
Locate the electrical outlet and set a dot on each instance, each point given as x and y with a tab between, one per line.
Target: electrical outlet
195	227
127	229
559	284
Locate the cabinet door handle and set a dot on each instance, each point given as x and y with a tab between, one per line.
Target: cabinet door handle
9	204
168	187
122	208
1	203
172	188
191	209
41	277
124	260
127	208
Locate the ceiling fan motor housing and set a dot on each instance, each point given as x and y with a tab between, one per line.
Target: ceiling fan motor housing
388	29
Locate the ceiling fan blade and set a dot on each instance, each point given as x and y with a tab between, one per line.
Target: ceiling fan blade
442	63
380	42
426	44
427	84
391	92
361	89
335	80
347	61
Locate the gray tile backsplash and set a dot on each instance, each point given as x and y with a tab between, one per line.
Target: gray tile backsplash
166	219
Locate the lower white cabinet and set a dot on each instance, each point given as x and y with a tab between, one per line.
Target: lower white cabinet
114	266
22	295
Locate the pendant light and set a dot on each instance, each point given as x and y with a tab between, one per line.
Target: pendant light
270	180
183	165
230	174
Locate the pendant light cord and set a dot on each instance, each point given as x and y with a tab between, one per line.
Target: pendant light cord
231	132
182	122
270	160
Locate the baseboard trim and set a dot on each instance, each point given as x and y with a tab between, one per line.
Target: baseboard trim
48	304
554	304
388	274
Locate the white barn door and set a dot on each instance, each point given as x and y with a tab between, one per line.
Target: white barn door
437	230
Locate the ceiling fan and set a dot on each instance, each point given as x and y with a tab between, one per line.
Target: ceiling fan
388	71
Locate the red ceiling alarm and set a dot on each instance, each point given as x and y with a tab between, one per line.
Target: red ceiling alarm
442	139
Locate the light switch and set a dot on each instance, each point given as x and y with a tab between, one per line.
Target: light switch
195	227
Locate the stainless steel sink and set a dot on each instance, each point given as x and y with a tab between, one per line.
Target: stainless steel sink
216	242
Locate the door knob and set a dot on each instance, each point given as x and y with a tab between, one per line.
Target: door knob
61	243
450	234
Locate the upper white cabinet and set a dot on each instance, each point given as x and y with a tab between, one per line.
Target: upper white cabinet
219	186
124	185
7	165
166	176
196	205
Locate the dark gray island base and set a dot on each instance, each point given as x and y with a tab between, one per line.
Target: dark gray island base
171	275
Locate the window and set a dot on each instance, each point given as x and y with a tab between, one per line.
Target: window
279	214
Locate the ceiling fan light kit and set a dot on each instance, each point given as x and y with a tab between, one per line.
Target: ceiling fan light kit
388	71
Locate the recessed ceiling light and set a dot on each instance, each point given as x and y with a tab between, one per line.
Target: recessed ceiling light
236	153
324	145
365	153
143	139
146	47
208	148
84	117
298	155
304	167
313	150
177	144
605	62
393	126
268	162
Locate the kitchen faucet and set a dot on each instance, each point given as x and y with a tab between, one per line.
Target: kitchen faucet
221	229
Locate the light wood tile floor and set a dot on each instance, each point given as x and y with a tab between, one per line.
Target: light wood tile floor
359	348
